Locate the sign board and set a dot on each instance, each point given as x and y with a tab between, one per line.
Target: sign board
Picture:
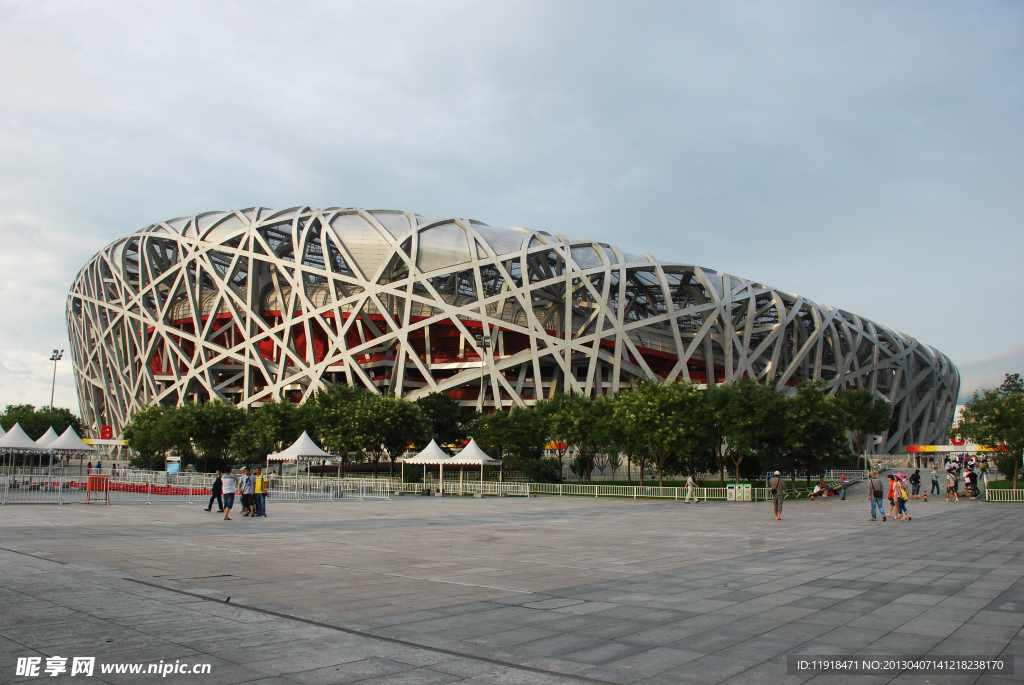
173	467
94	441
106	432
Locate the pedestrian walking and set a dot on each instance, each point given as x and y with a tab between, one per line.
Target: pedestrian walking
248	487
691	490
892	495
215	490
260	492
778	490
936	490
971	483
952	482
229	482
875	487
915	484
843	482
901	498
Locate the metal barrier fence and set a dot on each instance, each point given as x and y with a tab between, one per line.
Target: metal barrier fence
164	489
994	495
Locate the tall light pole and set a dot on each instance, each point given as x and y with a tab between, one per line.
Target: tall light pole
55	357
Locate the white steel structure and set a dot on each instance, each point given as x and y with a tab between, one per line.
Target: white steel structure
252	304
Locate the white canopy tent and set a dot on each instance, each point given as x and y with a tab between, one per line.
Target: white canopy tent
46	438
430	455
303	450
471	455
70	443
16	441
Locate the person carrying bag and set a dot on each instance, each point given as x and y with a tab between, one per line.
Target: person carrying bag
778	489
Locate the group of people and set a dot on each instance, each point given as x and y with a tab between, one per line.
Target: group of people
252	486
971	470
899	492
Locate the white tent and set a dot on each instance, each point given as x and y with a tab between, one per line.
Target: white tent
303	450
70	442
16	440
471	454
431	454
46	438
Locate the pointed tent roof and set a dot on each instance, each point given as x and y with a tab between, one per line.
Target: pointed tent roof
46	438
303	449
16	440
70	442
471	454
2	432
431	454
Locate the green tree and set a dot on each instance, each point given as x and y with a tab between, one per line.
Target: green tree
517	438
995	418
815	428
549	411
754	419
266	430
582	424
864	415
443	420
712	416
385	426
210	426
665	414
144	436
329	417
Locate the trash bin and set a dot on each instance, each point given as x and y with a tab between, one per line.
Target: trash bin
730	493
745	494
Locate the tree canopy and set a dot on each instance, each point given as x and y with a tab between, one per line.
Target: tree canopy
995	418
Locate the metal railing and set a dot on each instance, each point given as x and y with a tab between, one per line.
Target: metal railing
172	489
1000	495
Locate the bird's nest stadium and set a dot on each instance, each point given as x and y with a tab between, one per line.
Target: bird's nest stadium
252	304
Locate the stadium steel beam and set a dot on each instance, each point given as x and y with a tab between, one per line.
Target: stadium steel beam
255	304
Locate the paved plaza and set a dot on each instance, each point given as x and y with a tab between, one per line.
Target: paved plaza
512	590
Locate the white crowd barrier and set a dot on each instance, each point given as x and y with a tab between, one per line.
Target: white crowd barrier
995	495
173	489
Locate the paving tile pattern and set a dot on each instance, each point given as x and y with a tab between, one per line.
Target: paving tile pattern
538	590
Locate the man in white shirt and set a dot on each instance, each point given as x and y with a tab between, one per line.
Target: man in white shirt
228	481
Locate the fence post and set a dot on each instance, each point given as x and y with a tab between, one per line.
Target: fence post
60	489
634	492
149	488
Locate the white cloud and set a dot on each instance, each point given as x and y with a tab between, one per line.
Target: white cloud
987	374
864	155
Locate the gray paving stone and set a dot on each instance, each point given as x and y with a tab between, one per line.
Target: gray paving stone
625	592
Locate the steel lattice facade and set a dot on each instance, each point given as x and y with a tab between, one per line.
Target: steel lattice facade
253	304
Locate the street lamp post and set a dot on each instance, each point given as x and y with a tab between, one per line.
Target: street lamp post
55	357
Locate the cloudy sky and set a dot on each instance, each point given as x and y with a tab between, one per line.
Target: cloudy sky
868	155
